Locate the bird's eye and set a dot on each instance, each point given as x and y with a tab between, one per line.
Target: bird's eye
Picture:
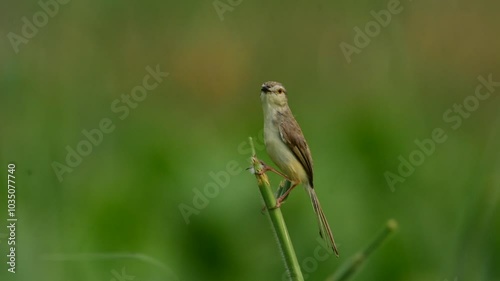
280	91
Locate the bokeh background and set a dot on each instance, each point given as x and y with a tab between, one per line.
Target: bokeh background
119	210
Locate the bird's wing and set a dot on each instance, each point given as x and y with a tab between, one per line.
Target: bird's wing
292	136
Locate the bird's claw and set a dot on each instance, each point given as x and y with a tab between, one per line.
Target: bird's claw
265	208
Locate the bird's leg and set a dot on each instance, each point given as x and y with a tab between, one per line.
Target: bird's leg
267	168
282	198
284	185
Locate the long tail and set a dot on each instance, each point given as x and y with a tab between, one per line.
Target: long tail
324	229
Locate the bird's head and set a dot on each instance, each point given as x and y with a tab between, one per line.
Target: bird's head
273	93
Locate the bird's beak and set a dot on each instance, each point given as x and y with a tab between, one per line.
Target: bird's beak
265	89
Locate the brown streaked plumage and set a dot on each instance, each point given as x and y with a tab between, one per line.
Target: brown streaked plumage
287	147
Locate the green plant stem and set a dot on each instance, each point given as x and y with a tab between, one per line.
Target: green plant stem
347	270
277	220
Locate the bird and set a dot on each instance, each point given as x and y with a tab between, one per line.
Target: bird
288	149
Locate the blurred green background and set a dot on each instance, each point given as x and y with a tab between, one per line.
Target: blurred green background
358	117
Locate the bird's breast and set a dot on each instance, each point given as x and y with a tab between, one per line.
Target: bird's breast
282	156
